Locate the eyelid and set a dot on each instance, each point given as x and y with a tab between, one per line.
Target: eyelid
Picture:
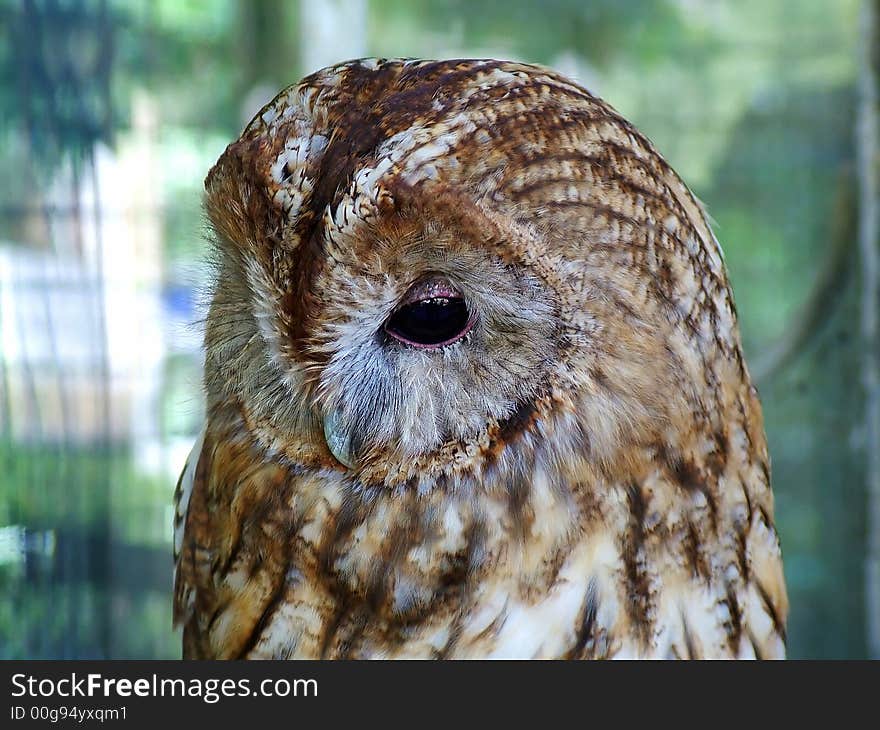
435	286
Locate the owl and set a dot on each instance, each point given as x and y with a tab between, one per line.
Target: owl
475	387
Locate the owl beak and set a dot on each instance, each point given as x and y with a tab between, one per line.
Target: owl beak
338	438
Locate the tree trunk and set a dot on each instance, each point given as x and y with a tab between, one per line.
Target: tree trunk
868	153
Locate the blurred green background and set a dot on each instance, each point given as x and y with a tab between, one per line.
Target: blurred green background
113	112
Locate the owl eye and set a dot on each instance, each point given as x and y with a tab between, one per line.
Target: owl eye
430	323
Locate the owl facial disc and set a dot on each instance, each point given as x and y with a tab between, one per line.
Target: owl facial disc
338	439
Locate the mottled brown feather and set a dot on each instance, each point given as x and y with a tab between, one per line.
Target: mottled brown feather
584	474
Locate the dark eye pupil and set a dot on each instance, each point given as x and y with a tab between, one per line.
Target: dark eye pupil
429	322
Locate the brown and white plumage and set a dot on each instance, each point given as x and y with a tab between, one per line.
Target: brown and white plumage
582	473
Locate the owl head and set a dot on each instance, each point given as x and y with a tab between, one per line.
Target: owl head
429	269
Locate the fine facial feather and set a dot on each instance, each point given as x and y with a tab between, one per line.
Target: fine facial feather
583	474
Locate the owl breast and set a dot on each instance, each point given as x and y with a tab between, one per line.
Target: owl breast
475	387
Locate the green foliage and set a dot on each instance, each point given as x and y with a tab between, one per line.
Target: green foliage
87	557
77	619
55	68
80	487
773	195
601	31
